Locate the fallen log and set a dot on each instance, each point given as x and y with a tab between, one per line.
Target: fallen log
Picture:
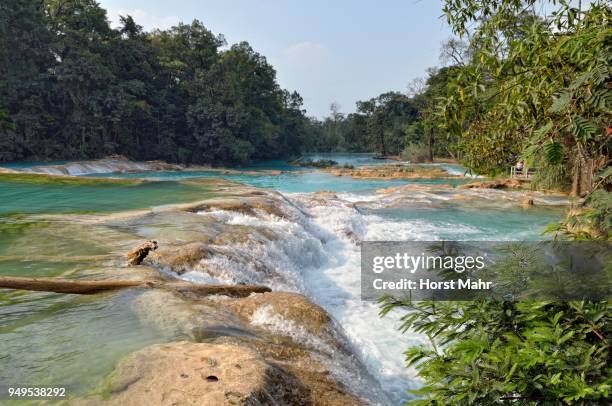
81	287
88	287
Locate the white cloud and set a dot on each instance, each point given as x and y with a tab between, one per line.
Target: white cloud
307	51
147	20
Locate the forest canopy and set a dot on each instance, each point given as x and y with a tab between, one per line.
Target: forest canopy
72	87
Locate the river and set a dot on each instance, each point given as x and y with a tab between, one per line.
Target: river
55	229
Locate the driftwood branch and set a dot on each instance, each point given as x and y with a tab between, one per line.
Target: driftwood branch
140	252
88	287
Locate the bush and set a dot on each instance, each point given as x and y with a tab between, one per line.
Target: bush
321	163
492	352
415	153
551	177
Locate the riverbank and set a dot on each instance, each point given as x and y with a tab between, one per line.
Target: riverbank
393	171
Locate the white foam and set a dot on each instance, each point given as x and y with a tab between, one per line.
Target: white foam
343	366
318	255
316	252
92	167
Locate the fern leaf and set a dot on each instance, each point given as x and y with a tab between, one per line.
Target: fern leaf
539	134
580	80
583	128
560	102
554	152
600	74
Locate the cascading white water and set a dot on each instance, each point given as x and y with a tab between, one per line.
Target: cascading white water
317	253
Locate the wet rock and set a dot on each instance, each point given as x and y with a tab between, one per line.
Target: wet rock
414	187
312	373
300	337
285	329
323	194
7	170
186	373
290	306
394	171
248	206
183	258
240	234
179	316
527	202
495	184
111	164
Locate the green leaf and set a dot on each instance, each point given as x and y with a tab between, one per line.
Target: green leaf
583	128
560	102
580	80
554	152
600	74
541	133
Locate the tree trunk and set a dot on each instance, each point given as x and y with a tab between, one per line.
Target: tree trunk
382	142
81	287
576	179
582	177
431	145
88	287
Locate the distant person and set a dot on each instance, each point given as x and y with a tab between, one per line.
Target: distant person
519	168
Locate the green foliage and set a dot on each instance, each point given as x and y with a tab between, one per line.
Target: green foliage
415	153
491	352
599	211
554	152
550	176
72	87
592	219
534	82
387	124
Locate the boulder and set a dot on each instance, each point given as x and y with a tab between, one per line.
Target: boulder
527	202
311	371
295	338
181	259
187	373
290	306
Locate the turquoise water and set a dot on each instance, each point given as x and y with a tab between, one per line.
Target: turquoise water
27	197
476	223
295	181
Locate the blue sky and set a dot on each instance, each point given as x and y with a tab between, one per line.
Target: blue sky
335	50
